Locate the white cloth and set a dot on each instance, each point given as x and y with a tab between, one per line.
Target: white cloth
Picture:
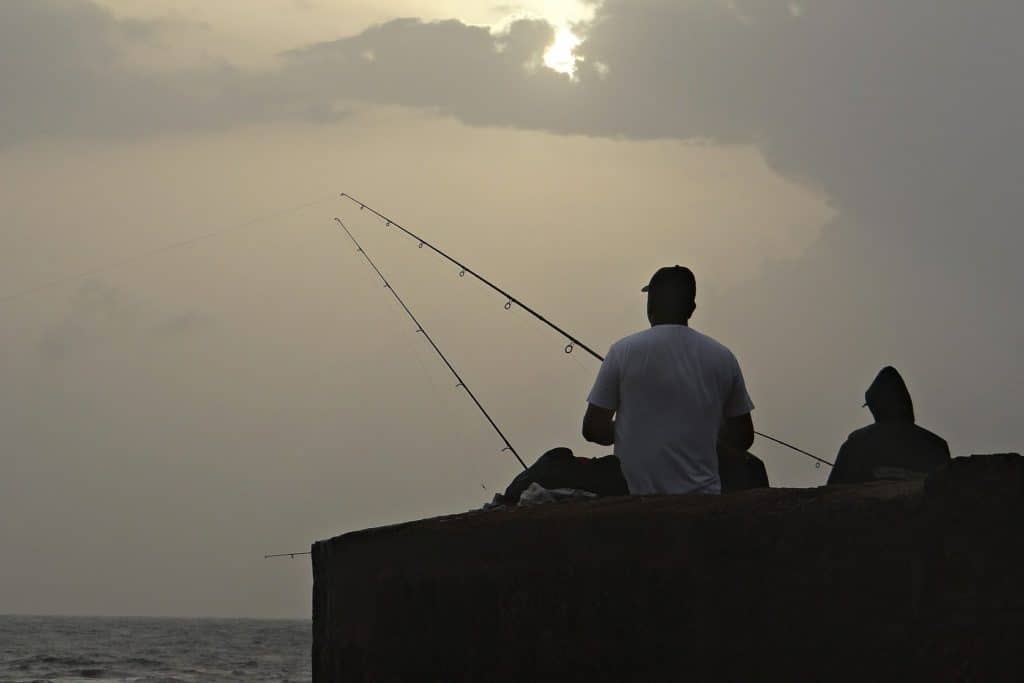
671	388
535	494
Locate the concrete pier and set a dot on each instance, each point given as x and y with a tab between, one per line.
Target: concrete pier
885	581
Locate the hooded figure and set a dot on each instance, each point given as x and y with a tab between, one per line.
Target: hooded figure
894	447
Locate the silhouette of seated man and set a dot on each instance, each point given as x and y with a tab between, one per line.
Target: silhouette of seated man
894	447
662	395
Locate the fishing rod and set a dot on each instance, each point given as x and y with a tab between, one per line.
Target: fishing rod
466	270
421	330
510	301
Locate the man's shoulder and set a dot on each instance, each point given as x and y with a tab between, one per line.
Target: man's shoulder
710	343
704	346
932	439
930	435
661	333
885	431
860	444
863	433
637	339
633	338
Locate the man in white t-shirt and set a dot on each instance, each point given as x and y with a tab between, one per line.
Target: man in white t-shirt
663	395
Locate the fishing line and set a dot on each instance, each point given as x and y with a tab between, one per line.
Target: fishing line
421	330
510	301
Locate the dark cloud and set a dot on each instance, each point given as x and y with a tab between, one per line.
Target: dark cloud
870	101
67	69
449	67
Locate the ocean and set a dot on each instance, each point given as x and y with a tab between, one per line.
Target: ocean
79	649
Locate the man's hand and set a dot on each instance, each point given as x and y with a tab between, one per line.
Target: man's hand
599	425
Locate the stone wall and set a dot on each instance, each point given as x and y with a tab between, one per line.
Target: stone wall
883	581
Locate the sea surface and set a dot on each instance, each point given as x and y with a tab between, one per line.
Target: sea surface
79	649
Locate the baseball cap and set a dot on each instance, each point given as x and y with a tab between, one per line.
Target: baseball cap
675	277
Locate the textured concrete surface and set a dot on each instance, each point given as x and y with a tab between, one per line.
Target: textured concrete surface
885	581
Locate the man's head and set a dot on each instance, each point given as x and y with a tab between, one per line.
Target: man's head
888	397
671	296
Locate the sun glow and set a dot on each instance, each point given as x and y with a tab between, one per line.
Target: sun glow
559	55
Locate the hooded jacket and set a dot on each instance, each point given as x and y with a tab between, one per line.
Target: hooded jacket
894	447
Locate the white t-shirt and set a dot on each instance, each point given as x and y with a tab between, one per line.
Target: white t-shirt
671	387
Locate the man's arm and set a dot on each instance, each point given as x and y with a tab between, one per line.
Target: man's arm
599	425
840	473
599	422
738	431
738	427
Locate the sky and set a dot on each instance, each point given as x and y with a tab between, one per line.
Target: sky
197	369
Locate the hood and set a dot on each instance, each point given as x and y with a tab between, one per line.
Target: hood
888	397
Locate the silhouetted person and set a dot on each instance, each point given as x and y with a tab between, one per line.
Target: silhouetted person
661	396
894	447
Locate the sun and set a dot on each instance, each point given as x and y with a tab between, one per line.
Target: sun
559	55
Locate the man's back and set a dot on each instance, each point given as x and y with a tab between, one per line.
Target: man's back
671	387
894	447
889	450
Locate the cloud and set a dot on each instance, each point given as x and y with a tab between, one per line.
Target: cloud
70	68
905	114
868	100
447	66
